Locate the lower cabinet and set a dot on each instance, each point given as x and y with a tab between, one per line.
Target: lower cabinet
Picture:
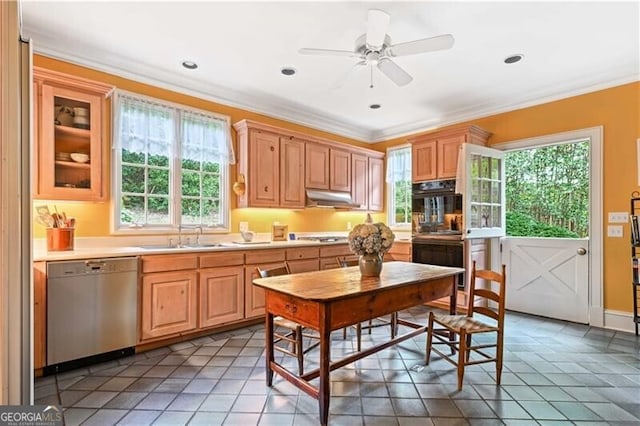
39	314
168	303
400	251
221	295
254	303
328	255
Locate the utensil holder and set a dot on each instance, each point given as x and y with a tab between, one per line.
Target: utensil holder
60	239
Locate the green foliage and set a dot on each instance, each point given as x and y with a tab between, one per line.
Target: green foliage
550	185
522	225
402	198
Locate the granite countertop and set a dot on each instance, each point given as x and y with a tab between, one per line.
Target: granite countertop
92	248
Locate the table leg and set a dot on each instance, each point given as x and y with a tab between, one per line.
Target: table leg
454	296
324	387
268	344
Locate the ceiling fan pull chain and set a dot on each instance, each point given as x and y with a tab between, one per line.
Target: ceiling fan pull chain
371	77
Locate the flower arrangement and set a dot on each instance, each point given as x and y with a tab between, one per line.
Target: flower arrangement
370	238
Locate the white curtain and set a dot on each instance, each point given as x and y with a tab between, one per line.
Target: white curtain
399	164
148	125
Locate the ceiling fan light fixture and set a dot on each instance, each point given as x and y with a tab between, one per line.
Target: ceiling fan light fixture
512	59
288	71
190	65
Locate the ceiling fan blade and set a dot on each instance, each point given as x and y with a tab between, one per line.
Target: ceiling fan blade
424	45
394	72
377	24
327	52
343	79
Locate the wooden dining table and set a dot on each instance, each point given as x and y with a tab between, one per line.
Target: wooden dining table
331	299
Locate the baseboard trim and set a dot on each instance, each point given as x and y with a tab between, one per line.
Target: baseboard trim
618	320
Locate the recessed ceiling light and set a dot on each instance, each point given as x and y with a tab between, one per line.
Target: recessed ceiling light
288	71
190	65
513	58
375	106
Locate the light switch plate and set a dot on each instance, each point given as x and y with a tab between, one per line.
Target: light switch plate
614	231
618	217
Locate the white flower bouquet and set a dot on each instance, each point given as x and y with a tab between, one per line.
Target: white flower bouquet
370	238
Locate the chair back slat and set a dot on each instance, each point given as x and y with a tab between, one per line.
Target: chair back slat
273	272
487	294
343	262
483	299
482	310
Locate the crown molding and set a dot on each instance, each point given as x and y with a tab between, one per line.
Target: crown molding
284	110
294	112
488	109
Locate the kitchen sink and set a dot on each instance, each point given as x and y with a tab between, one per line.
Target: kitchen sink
187	246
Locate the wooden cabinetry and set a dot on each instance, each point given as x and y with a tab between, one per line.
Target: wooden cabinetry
39	314
328	255
169	295
435	155
221	288
367	180
400	251
221	295
302	259
279	164
273	165
339	170
317	166
168	303
254	304
327	168
69	118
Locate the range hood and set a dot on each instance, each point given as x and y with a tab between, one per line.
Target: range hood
335	199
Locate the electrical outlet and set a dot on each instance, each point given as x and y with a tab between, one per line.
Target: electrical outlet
618	217
614	231
244	226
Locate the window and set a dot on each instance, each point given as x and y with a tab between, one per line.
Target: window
171	165
399	186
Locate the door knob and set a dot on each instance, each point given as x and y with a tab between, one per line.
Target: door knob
582	251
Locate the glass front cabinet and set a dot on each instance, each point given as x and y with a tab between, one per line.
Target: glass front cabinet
69	134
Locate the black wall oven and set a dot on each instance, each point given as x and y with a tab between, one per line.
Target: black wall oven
440	250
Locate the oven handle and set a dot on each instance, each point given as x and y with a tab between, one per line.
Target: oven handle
436	242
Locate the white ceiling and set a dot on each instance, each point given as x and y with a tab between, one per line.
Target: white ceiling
240	47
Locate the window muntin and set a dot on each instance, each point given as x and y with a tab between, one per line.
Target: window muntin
170	166
399	186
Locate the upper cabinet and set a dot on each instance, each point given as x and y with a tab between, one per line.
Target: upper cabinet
435	155
327	168
69	117
367	179
273	165
279	164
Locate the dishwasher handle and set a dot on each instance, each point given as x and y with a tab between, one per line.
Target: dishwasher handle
95	265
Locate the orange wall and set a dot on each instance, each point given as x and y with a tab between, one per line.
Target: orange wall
616	109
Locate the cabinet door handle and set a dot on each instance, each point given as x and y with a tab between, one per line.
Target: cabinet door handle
272	148
581	251
266	189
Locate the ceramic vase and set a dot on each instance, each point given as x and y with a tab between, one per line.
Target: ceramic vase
370	265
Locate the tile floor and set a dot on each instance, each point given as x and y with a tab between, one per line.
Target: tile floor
555	373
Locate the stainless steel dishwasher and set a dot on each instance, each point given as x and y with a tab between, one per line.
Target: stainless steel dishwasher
91	311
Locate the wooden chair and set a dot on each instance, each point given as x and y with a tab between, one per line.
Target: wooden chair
484	301
380	322
294	334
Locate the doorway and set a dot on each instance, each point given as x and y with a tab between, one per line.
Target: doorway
559	278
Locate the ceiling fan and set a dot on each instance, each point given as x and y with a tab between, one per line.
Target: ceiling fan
375	48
